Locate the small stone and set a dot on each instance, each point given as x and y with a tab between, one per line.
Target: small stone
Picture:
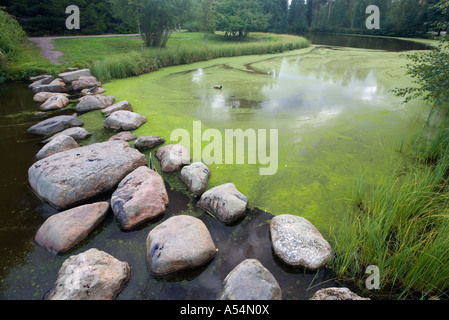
298	243
92	275
125	136
225	202
173	157
58	144
124	120
63	231
122	105
336	294
196	177
182	242
147	143
140	196
250	280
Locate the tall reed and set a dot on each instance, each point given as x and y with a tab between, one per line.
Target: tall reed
401	225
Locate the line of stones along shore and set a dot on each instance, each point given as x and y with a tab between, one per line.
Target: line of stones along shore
66	175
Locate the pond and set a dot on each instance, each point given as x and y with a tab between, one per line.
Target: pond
335	121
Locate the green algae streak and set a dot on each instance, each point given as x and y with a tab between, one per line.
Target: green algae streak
335	117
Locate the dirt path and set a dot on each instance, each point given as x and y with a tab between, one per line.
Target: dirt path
47	45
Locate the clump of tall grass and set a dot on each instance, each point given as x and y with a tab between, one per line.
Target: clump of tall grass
401	225
148	60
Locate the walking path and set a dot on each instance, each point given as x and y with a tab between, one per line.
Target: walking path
47	45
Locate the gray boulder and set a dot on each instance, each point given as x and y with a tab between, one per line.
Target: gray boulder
77	133
298	243
92	91
182	242
56	102
42	80
40	77
57	85
69	77
85	82
92	275
63	231
250	280
140	196
71	177
122	105
58	144
124	120
147	143
225	202
44	96
336	294
54	125
173	157
94	102
125	135
196	177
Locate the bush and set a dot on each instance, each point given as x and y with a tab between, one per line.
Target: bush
12	41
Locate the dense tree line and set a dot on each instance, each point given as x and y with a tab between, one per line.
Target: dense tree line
236	17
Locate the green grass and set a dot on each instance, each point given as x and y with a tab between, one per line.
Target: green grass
186	48
401	225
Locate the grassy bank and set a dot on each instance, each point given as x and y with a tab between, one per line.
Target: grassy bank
401	223
186	48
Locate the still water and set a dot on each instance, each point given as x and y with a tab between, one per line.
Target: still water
336	121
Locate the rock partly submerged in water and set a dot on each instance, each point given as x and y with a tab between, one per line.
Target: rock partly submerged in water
225	202
77	133
58	144
122	105
55	102
44	96
139	197
336	294
124	120
70	76
63	231
195	177
250	280
94	102
92	275
125	136
148	142
182	242
57	85
54	125
173	157
71	177
298	243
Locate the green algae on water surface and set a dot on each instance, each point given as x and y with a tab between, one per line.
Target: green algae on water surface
331	106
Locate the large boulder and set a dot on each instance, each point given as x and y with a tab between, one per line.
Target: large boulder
182	242
140	196
58	144
147	143
57	85
124	120
54	125
336	294
225	202
84	82
56	102
297	242
122	105
173	157
71	177
63	231
250	280
195	177
94	102
77	133
69	77
92	275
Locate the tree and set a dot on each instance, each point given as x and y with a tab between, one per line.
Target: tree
239	17
296	20
156	18
207	18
